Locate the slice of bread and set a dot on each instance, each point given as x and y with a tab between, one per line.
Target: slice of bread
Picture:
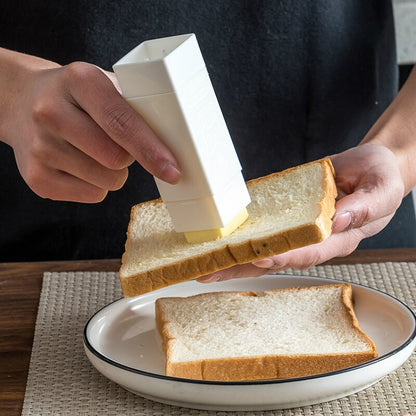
288	210
235	336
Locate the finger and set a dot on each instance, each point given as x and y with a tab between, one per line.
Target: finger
61	186
363	207
59	155
78	128
89	170
240	270
96	94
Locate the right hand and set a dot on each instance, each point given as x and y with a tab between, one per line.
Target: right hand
74	135
370	189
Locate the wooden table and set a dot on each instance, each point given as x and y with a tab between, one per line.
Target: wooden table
20	286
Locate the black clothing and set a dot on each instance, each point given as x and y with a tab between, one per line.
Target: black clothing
296	80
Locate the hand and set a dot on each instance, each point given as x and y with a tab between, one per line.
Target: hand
370	189
74	136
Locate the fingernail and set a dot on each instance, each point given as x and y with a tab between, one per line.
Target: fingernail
341	221
264	263
170	173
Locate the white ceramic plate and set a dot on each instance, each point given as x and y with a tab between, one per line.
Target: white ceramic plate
122	343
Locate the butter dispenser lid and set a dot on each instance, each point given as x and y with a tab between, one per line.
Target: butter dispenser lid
159	66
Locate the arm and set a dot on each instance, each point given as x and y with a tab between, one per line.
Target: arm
372	180
396	130
72	133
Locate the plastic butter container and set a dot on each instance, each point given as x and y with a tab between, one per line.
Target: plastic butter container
167	82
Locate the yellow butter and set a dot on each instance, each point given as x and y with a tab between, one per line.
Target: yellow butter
207	235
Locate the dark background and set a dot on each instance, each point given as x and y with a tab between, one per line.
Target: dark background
301	98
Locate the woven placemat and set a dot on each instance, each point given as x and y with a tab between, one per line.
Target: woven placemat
62	381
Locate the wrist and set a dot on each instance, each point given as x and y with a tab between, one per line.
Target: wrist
396	130
16	71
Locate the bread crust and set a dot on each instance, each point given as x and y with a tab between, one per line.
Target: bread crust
247	251
265	367
269	366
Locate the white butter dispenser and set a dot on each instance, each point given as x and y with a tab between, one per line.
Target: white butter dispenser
167	82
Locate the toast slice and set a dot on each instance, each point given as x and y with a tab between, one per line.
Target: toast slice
236	336
289	209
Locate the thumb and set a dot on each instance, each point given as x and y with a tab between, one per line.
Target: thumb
362	207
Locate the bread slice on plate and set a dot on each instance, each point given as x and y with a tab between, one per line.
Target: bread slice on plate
289	209
285	333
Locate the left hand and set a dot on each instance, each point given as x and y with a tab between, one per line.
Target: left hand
370	189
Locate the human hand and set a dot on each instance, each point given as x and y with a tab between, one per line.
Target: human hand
74	136
370	189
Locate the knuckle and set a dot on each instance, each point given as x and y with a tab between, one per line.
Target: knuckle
37	180
118	180
80	72
361	217
351	242
153	156
41	151
94	195
118	159
311	260
119	120
44	113
348	250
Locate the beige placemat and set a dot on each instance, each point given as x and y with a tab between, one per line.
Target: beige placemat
61	380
